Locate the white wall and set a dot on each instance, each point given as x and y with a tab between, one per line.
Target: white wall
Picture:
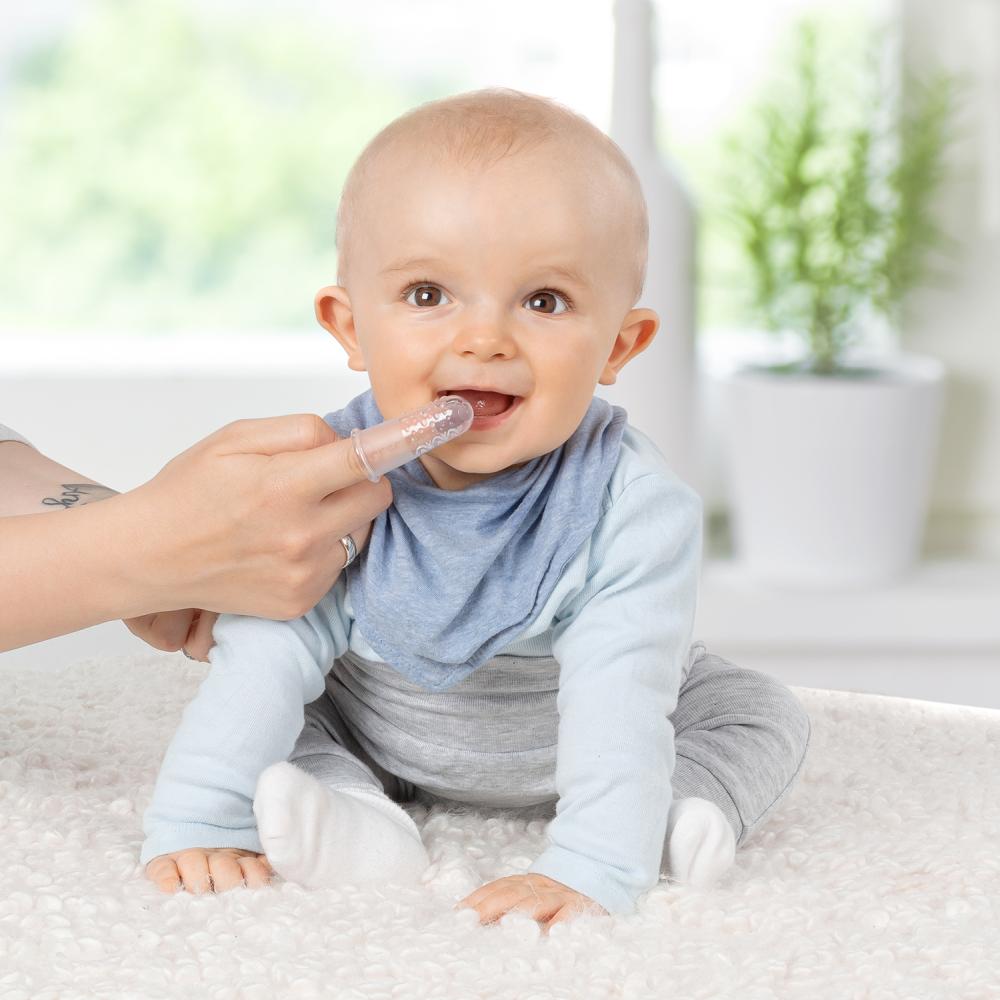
117	409
144	402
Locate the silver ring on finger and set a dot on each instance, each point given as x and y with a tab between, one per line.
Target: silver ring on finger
350	548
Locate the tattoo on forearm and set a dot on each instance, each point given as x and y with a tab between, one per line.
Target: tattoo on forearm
77	494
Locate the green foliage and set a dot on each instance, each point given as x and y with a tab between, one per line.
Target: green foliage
160	169
830	196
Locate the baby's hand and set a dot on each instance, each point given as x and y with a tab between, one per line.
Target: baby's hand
543	898
208	869
190	630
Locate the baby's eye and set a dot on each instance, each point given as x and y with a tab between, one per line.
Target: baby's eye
425	295
543	299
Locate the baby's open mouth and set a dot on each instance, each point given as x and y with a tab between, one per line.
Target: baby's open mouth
484	402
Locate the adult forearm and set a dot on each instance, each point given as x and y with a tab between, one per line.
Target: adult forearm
58	573
247	520
63	572
31	483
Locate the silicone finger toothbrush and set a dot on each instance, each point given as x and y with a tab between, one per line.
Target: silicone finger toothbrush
395	442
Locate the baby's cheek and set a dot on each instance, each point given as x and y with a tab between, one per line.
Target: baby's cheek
547	427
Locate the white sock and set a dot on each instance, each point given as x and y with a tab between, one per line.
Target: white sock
320	837
701	844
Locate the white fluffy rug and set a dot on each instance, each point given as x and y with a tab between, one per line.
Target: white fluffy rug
879	878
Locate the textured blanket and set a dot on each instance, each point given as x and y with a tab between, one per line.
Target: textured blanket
878	878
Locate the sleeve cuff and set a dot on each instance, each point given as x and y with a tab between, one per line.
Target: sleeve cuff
6	434
181	836
585	876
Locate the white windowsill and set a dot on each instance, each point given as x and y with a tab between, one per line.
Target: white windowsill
946	604
934	636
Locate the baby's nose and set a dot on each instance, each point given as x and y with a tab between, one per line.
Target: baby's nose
485	341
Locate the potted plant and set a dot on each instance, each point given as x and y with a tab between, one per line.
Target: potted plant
829	453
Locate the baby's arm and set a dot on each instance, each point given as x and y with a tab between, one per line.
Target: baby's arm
246	716
621	646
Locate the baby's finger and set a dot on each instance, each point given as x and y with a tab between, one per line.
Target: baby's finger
473	900
564	914
496	904
199	638
163	872
226	871
540	906
168	629
165	630
257	872
193	866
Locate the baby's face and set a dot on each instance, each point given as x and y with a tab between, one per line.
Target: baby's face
512	279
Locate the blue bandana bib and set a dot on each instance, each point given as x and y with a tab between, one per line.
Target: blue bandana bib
450	577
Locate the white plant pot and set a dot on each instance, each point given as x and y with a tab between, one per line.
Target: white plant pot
828	478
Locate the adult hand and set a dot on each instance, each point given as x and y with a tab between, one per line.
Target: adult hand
190	629
249	520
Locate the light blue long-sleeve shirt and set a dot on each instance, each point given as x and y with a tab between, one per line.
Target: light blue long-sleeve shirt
619	624
9	434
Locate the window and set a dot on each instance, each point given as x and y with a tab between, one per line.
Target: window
175	166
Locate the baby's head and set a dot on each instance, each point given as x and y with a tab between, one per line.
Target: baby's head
493	240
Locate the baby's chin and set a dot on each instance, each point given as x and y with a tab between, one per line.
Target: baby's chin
455	466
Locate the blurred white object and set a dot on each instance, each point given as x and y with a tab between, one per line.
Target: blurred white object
657	388
984	39
829	477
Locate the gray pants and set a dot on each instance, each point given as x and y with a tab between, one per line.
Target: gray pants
740	736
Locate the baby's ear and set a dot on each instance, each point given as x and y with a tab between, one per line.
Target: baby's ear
334	312
637	332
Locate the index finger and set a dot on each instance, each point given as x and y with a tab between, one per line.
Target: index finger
329	468
273	435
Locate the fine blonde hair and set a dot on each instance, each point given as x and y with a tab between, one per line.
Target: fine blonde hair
481	127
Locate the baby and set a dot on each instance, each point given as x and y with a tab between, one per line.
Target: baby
517	632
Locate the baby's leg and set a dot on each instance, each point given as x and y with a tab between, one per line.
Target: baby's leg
741	738
323	816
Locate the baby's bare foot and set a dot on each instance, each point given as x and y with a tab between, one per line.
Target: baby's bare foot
209	869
